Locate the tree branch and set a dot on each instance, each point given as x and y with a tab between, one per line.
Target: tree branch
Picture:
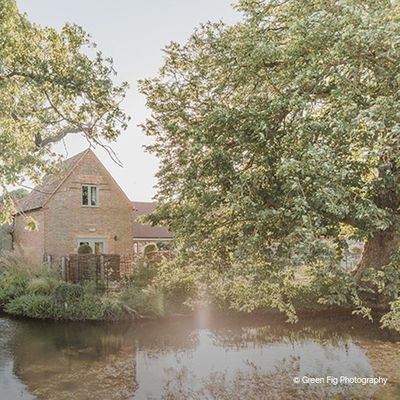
57	136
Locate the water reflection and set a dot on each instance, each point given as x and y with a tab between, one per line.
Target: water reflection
231	358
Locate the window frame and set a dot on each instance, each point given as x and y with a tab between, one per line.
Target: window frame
89	205
92	243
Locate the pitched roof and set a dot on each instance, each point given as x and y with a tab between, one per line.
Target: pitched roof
38	197
143	231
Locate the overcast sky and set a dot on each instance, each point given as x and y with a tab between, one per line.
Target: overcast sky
132	32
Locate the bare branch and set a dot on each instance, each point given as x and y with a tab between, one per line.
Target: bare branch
57	136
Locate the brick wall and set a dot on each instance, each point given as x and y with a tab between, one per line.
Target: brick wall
30	244
67	220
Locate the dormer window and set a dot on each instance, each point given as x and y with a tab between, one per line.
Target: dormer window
90	196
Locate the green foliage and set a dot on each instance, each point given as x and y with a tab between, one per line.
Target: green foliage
39	286
391	320
13	283
43	295
276	133
5	238
68	293
150	249
165	245
142	274
32	306
85	249
335	287
52	84
178	281
148	301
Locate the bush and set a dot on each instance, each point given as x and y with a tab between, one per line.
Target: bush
31	305
148	301
150	249
141	276
9	260
391	320
68	293
13	283
177	282
112	309
39	286
85	249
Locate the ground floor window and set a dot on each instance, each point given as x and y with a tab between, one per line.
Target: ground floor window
98	246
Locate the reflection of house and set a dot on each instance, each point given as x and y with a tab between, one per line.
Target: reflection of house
143	234
82	204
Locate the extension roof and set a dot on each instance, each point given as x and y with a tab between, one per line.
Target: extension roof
143	231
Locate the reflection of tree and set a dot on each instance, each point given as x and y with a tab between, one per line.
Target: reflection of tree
7	329
89	360
258	385
325	331
167	336
384	357
98	360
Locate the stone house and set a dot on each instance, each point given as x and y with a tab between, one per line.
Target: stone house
82	204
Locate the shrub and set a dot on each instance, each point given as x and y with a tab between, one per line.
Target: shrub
92	287
150	249
177	282
84	249
112	309
148	301
391	320
141	276
31	305
10	260
68	293
39	286
165	246
13	283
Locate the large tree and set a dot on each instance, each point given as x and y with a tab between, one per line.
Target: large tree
282	130
52	84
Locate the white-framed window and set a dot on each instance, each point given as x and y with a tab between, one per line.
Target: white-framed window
99	246
89	196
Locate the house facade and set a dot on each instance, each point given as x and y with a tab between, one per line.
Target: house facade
82	204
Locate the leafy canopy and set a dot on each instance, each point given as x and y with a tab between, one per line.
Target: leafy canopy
279	130
52	84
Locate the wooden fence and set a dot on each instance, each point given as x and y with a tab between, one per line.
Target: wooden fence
101	267
81	267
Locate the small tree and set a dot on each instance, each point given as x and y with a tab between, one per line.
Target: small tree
85	249
149	250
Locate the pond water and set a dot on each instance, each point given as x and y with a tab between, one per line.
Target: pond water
204	357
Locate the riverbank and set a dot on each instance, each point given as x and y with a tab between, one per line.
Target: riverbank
41	294
145	294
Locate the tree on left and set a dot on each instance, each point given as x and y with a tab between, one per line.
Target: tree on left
52	84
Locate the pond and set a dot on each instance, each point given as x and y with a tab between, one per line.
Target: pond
201	357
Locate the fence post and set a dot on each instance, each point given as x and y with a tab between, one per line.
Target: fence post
48	262
63	272
102	267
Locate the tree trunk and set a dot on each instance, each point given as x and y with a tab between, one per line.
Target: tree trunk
377	254
378	251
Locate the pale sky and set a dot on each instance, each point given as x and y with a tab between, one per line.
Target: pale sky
132	32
